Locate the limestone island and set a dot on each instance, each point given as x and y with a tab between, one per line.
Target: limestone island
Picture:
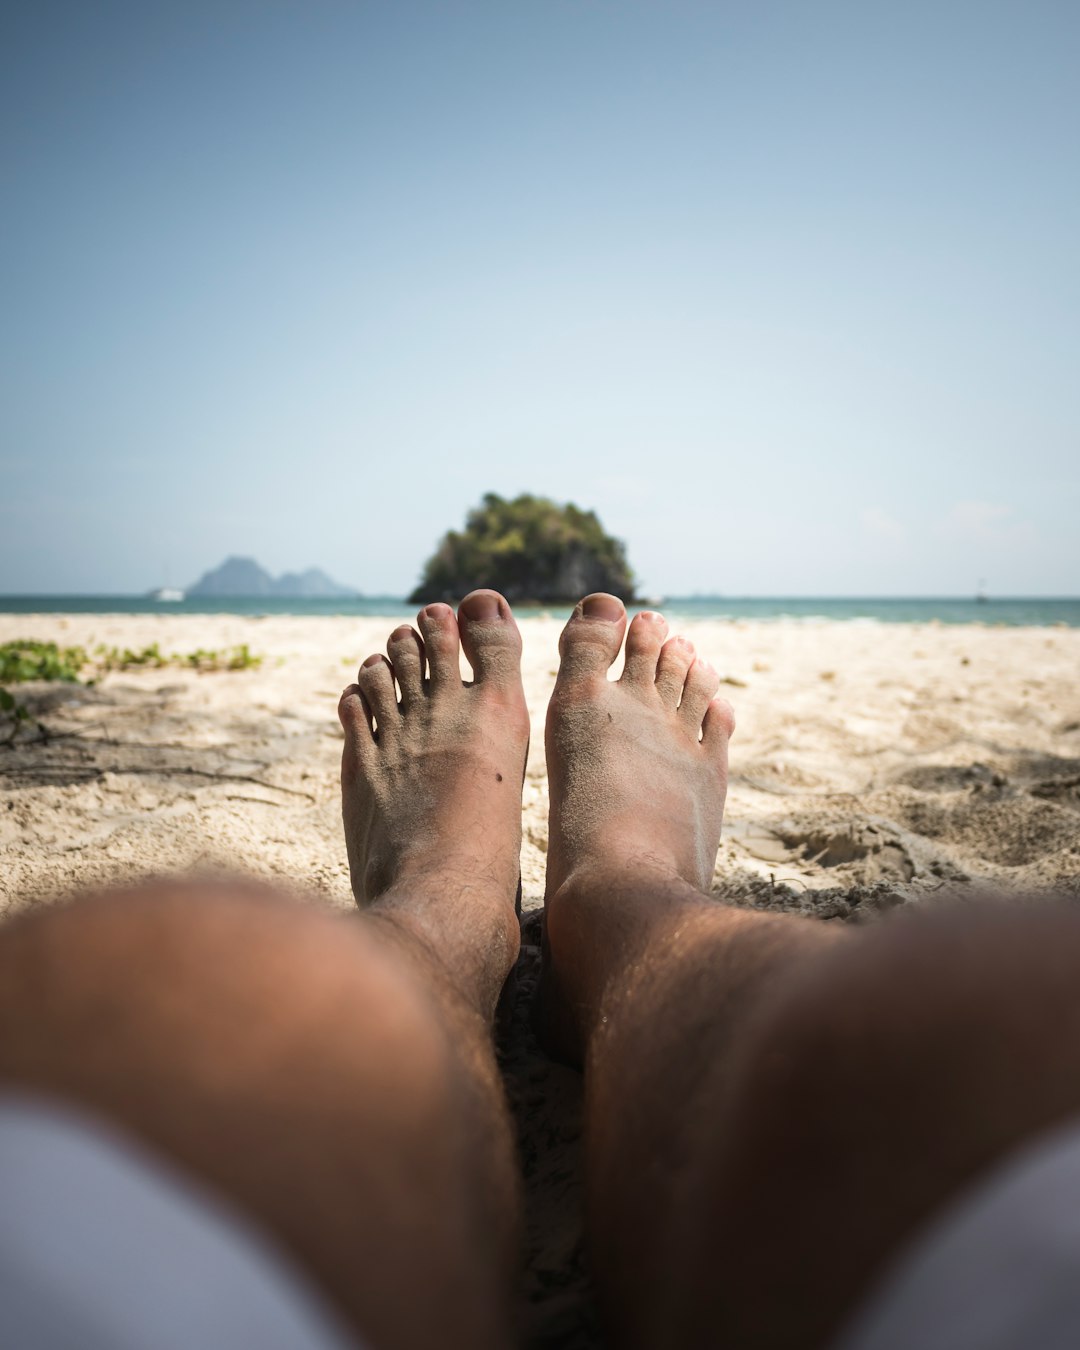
532	549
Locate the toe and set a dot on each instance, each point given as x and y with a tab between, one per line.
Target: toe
355	718
719	725
591	639
490	638
702	682
405	649
439	630
376	681
359	744
644	639
672	668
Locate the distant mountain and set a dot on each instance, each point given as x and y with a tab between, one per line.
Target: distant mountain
312	582
243	578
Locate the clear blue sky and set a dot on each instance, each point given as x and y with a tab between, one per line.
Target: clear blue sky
789	293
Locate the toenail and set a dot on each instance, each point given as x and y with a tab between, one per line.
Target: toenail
685	642
400	634
373	660
436	612
651	615
602	607
481	607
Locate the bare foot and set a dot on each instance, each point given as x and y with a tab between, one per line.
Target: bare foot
638	766
431	778
637	770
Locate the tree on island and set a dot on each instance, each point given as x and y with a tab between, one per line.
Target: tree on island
532	550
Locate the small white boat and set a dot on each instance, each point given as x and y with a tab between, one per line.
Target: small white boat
167	595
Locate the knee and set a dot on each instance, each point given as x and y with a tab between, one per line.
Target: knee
891	1071
279	1053
928	1031
231	988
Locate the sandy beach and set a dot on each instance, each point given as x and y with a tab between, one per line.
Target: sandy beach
873	763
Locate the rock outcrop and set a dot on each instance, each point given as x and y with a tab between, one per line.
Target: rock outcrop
531	549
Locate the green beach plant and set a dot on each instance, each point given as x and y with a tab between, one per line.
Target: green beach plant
232	658
12	711
152	657
25	660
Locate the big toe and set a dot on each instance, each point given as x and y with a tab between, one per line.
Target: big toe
490	638
591	640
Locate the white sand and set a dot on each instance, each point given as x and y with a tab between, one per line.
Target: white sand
872	761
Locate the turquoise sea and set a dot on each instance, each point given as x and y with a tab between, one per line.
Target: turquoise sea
1012	612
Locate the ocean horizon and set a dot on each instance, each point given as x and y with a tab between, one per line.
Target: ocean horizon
1009	611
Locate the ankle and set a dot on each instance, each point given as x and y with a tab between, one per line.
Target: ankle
424	876
470	931
625	853
632	876
600	926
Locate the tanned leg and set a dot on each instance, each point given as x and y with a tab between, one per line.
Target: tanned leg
773	1106
332	1078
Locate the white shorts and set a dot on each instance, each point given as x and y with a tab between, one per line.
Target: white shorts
102	1247
998	1269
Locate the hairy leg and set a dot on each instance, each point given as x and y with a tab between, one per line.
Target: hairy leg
765	1095
289	1060
331	1076
887	1077
647	982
